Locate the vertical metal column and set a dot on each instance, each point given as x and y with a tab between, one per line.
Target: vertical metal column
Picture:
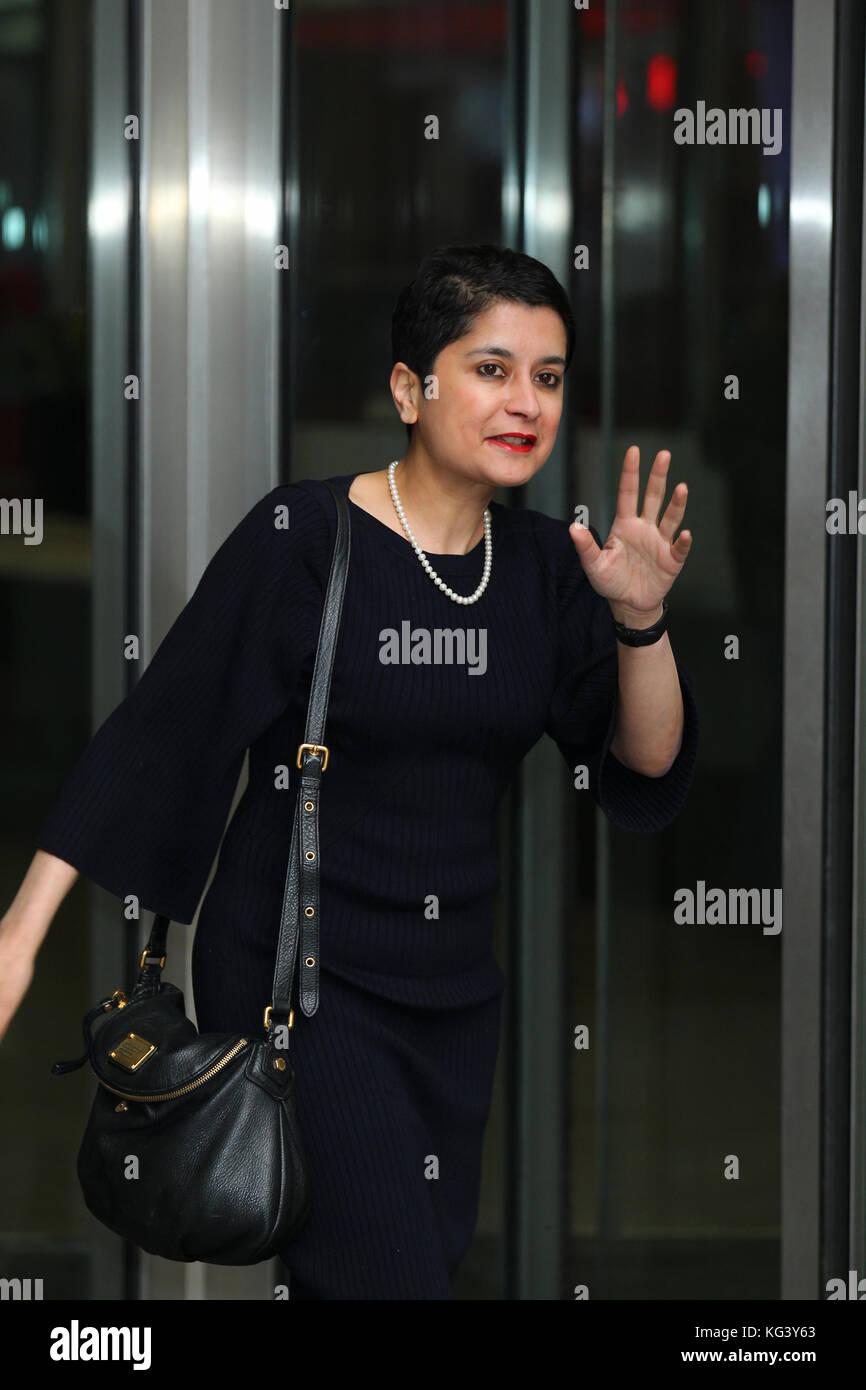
541	1034
841	641
109	204
858	950
603	488
811	225
205	426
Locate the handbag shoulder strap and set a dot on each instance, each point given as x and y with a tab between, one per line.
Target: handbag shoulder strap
300	913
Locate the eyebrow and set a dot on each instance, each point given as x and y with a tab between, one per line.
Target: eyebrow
505	352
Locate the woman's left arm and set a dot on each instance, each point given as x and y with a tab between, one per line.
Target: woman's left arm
648	732
634	570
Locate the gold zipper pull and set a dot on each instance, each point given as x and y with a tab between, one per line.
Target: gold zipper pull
190	1086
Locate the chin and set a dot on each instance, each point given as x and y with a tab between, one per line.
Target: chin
511	469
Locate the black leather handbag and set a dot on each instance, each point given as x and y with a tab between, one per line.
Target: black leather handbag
192	1149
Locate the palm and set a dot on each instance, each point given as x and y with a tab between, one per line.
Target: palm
638	562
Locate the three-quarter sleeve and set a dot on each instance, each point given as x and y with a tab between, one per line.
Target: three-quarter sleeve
145	806
582	712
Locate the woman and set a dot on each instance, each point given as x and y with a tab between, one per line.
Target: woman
468	630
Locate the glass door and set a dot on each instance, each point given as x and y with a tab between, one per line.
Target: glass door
676	1109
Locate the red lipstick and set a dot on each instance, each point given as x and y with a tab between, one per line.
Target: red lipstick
514	440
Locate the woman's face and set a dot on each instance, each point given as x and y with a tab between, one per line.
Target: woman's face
505	377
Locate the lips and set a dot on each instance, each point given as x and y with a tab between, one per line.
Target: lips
519	443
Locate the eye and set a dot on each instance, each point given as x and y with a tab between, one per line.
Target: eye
552	384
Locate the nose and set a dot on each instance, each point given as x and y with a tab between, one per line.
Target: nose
522	397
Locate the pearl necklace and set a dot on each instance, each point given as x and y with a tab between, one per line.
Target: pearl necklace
488	548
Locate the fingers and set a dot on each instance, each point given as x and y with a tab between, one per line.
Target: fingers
629	487
629	483
629	492
655	487
583	539
674	513
681	546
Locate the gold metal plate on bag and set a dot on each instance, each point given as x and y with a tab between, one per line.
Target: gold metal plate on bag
132	1051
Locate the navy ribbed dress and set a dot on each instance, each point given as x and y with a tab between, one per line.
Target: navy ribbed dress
395	1071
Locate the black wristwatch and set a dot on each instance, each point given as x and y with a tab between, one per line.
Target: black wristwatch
642	636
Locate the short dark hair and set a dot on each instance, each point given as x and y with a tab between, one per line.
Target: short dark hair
453	284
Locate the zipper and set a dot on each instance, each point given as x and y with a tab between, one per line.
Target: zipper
190	1086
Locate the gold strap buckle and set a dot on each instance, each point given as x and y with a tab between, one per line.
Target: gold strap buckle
314	748
268	1012
144	956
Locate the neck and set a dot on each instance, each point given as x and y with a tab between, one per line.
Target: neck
444	509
